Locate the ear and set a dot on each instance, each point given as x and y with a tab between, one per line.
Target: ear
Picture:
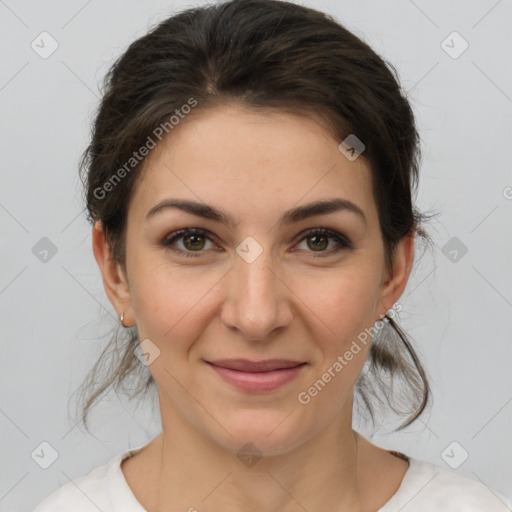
114	280
395	281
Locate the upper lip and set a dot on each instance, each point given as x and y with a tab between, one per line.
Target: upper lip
246	365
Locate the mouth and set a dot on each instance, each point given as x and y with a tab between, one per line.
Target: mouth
261	376
245	365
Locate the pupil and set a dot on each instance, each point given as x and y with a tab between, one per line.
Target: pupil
194	243
316	237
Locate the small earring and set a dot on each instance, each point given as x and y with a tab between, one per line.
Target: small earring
121	318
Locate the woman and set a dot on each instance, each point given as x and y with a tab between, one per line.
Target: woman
250	182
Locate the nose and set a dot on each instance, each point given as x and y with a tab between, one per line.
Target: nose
257	298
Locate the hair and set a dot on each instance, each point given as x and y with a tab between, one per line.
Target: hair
265	55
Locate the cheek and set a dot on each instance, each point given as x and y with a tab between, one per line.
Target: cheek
170	304
341	307
341	310
342	302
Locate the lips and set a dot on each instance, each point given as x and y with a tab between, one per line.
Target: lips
257	376
245	365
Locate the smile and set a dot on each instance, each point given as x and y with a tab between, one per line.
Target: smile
254	381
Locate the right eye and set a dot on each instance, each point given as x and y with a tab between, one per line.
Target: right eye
192	239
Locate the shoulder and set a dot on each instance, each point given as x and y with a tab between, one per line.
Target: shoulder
87	493
427	487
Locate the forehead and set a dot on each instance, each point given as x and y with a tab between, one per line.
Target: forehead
252	162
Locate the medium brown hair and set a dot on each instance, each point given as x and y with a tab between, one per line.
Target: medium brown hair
264	55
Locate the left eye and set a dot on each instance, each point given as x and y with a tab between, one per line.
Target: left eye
321	235
193	241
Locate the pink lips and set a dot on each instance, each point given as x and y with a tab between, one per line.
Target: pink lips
257	375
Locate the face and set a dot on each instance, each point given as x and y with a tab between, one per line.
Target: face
260	286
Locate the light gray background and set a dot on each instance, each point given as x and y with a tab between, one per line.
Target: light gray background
55	314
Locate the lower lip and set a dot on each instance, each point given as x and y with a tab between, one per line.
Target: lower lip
260	381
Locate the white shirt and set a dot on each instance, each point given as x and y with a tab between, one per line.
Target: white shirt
424	488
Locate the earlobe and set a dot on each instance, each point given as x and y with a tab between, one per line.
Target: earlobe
396	280
114	280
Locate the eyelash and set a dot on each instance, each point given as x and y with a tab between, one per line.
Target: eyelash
340	239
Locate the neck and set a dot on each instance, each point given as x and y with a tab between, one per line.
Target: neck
196	472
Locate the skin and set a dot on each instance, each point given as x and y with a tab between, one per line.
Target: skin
286	304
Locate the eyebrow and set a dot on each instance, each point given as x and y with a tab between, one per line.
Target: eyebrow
289	217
